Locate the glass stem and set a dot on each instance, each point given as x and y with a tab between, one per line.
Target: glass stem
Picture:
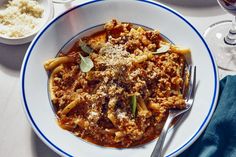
231	37
233	29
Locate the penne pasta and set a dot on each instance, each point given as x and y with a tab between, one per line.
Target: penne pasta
81	123
53	63
179	49
114	88
142	104
142	108
154	106
51	80
110	112
70	106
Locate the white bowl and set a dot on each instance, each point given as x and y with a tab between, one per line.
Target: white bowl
47	16
79	21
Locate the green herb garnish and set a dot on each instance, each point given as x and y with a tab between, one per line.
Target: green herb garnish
84	46
86	64
134	104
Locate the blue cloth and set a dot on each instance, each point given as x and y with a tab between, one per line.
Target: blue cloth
219	138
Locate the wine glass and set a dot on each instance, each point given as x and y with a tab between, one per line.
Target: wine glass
221	38
62	1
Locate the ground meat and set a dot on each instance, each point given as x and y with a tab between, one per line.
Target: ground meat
124	65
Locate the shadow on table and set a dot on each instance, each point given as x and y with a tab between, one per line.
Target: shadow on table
195	8
11	58
40	149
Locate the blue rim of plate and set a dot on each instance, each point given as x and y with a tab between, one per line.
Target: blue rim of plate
59	150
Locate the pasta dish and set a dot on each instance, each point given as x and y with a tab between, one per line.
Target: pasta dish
114	88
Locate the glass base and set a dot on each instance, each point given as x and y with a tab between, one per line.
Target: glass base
225	54
62	1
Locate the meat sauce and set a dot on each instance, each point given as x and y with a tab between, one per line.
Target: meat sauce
103	114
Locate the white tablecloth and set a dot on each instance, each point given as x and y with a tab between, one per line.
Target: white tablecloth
16	136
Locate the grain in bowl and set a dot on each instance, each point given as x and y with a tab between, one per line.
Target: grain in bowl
20	18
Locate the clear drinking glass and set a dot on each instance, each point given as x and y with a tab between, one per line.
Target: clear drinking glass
221	37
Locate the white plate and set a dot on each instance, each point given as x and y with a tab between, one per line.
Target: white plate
84	17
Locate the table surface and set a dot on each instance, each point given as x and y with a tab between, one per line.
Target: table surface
16	135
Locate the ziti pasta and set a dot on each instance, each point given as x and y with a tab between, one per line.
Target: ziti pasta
115	87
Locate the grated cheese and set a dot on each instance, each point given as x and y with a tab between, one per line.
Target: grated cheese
114	55
20	18
121	115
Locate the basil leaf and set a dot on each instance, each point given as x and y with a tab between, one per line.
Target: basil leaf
134	104
162	49
85	47
86	64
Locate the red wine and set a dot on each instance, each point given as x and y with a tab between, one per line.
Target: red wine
228	5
